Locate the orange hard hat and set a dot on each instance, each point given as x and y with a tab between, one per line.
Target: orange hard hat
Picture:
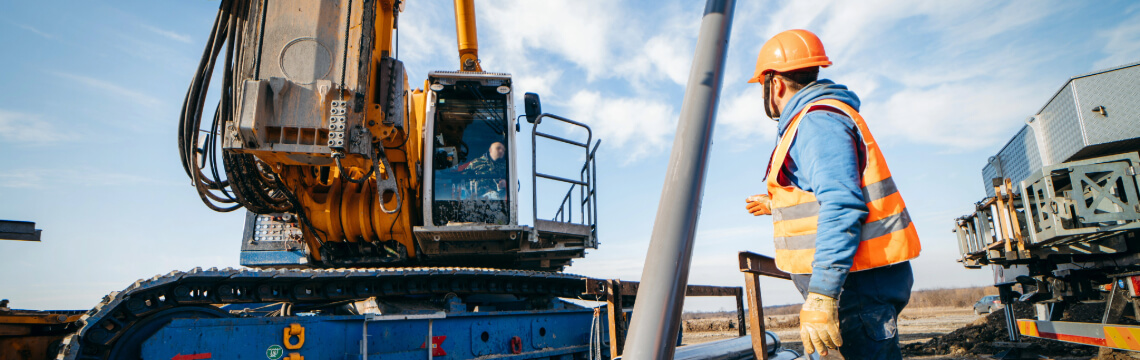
790	50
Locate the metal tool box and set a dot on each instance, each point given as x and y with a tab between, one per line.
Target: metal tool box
1092	115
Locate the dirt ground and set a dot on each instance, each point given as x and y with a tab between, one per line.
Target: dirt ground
914	326
925	333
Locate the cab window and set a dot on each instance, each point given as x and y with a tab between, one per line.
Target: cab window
470	162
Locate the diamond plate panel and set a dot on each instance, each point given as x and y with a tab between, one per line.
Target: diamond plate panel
1021	157
1017	160
989	172
1118	92
1061	127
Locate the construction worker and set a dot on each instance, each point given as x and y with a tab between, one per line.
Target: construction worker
491	172
840	226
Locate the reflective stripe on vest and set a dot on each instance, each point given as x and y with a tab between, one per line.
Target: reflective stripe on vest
887	236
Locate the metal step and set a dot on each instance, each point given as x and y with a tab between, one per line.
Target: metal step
563	228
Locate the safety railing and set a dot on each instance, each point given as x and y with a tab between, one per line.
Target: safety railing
586	204
588	170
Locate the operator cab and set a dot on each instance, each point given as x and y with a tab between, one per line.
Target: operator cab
470	202
472	152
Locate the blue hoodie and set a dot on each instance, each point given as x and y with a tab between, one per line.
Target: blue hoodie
826	159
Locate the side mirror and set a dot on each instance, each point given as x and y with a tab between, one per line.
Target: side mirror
532	107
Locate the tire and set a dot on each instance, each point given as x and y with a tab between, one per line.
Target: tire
977	312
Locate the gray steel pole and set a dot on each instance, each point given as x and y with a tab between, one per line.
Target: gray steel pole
657	312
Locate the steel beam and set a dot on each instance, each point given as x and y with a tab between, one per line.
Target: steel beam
1123	337
657	313
19	230
630	288
762	265
616	316
753	266
756	315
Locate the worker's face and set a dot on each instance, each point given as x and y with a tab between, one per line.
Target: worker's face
496	151
775	97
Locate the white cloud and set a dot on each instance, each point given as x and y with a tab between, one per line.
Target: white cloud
138	98
850	28
640	127
665	57
541	83
573	30
882	49
647	54
169	34
27	128
84	177
741	121
592	45
603	44
34	30
663	54
426	36
965	115
929	72
1123	42
671	57
19	180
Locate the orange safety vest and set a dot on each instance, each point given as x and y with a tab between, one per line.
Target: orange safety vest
888	236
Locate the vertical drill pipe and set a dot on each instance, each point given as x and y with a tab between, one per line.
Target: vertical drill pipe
657	310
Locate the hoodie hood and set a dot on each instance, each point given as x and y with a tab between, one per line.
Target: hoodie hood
821	89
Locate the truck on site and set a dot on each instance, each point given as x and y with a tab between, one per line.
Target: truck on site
382	220
1060	223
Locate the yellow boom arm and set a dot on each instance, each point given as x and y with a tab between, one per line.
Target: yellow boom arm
467	35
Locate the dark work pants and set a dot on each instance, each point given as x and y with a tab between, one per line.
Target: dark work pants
869	305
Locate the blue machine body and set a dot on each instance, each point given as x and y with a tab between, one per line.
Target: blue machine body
279	258
553	334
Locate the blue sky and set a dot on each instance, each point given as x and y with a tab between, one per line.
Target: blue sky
90	93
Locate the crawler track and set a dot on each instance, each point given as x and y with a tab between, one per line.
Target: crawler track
104	325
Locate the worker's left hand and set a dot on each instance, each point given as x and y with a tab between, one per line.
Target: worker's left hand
819	324
759	205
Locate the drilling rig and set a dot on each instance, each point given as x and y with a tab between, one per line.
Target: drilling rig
340	163
363	197
1060	224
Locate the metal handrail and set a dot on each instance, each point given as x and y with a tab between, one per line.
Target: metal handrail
585	183
562	179
562	206
594	191
588	206
562	139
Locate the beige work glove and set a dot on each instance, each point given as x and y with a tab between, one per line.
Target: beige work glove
819	324
759	205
